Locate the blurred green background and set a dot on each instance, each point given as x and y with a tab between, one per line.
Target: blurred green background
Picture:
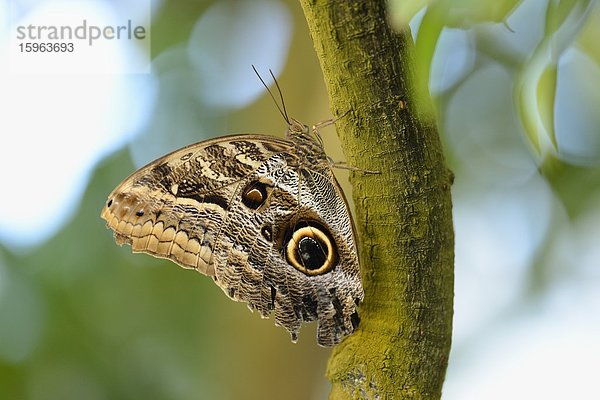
516	86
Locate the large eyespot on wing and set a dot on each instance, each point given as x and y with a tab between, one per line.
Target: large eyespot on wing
320	246
310	248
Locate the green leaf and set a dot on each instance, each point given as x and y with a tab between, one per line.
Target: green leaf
527	96
426	41
403	11
568	182
464	14
587	40
546	95
559	10
535	88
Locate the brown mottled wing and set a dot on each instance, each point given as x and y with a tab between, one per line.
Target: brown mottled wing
175	206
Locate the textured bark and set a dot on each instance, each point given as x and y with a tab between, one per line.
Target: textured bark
403	214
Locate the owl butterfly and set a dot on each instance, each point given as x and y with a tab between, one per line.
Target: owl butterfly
263	216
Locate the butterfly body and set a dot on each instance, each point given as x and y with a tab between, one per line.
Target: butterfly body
264	217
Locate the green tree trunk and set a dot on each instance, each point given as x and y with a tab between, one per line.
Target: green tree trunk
403	215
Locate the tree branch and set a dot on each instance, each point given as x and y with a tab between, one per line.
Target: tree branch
403	215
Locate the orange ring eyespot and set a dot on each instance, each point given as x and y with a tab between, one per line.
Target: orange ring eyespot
311	251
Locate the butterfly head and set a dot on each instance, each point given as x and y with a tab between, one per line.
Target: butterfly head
296	127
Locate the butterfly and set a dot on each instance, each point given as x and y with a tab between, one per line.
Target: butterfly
263	216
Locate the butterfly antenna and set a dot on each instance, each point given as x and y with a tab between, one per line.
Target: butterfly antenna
280	96
282	111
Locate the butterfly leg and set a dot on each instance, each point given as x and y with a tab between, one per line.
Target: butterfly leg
328	122
344	165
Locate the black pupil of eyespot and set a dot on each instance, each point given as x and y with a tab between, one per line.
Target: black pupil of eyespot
312	254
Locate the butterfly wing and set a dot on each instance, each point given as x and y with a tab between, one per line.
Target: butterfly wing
231	208
263	258
175	206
